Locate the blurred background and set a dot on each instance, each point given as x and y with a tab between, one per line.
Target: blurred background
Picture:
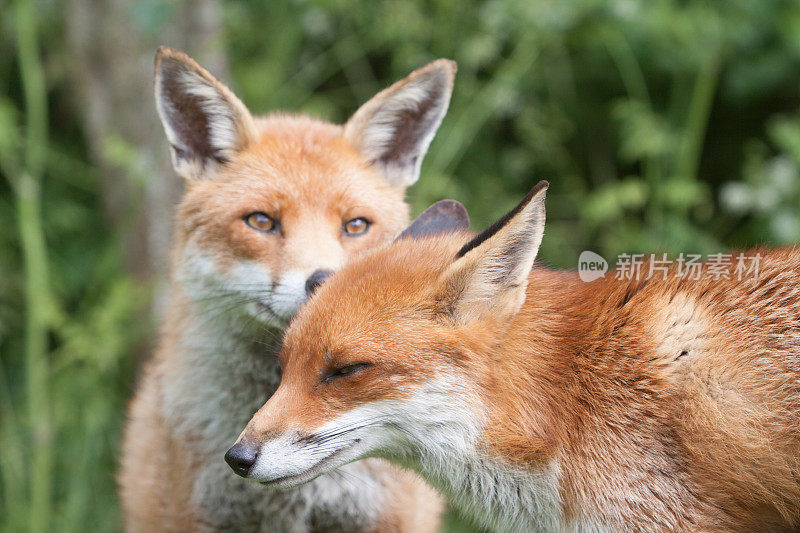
669	126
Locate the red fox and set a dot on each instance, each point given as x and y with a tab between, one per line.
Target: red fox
538	402
272	206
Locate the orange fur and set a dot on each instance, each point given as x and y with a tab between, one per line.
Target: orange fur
668	404
312	177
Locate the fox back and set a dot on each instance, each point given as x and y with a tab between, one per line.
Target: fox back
537	401
272	206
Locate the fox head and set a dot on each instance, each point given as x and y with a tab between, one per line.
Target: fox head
273	205
378	363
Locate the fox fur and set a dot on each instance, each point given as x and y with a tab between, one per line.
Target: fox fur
539	402
237	280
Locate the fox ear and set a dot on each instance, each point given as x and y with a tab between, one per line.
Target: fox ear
490	274
204	122
445	216
394	129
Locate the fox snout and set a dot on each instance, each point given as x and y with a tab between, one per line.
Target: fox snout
279	451
287	459
241	458
316	279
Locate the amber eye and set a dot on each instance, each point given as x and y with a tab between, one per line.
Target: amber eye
356	226
261	222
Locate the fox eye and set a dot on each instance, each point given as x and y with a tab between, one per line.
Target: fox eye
356	226
343	371
261	222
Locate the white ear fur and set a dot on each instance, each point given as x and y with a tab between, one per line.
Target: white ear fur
491	273
394	129
204	122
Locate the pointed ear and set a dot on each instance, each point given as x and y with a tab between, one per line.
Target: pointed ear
490	274
394	129
445	216
204	122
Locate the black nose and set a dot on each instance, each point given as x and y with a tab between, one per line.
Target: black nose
316	279
241	458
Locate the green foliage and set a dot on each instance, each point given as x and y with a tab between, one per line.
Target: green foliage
769	192
666	125
625	106
66	305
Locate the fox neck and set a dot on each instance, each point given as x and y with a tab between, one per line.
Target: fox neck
219	368
502	463
568	379
496	494
523	368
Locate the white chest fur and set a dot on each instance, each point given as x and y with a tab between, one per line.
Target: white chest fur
498	496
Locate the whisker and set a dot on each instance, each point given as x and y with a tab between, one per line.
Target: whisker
321	438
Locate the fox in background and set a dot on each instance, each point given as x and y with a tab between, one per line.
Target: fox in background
538	402
272	206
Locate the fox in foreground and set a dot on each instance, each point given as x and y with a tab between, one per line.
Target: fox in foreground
272	206
538	402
